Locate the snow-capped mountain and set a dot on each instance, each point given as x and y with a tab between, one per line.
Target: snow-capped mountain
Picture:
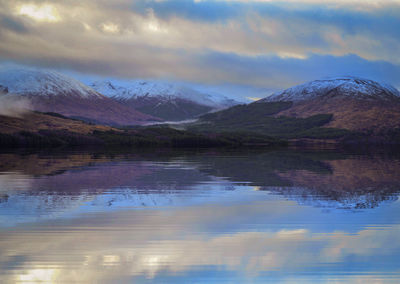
356	104
340	104
346	86
166	100
167	91
39	82
50	91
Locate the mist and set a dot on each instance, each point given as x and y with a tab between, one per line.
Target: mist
12	106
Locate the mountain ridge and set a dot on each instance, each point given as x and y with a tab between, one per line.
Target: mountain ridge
346	86
50	91
356	104
39	82
169	101
139	88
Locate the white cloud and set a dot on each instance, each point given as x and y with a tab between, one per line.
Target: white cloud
42	13
109	27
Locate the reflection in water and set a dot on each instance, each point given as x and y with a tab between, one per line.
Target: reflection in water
233	216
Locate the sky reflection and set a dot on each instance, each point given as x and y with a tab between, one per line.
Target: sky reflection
175	218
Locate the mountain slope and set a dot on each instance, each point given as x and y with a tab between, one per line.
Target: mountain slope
38	82
330	108
260	118
49	91
36	121
166	100
344	87
356	104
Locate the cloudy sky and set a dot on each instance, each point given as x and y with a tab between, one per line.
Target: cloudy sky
265	44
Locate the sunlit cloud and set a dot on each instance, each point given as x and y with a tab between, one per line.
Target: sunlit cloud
291	55
87	27
109	27
253	99
42	13
152	24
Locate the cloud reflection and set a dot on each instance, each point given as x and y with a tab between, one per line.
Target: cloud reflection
135	244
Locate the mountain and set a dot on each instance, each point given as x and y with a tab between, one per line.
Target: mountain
347	87
356	104
49	91
171	102
330	108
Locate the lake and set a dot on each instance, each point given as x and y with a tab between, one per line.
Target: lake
236	216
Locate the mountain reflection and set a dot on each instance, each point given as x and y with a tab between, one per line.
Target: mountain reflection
67	179
351	181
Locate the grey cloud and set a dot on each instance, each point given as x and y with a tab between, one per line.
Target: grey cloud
13	24
265	46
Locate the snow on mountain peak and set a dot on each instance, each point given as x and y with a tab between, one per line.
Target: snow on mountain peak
338	86
158	89
33	81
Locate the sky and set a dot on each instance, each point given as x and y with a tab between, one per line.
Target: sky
263	45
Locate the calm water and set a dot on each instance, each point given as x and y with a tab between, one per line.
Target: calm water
205	216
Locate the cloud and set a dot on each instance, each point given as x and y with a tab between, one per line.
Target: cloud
43	12
256	43
14	107
276	72
13	24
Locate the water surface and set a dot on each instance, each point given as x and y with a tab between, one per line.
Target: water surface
199	216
